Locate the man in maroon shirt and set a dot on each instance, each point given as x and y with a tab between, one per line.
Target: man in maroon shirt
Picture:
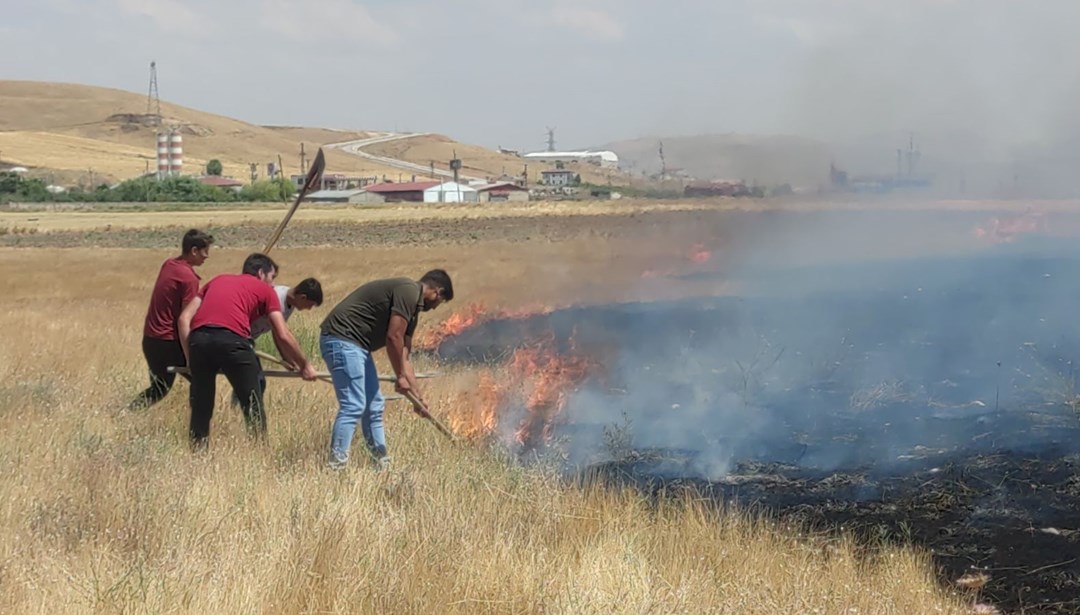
215	333
177	284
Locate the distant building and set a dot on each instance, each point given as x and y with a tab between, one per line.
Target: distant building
558	177
390	192
336	196
338	181
604	159
501	192
451	192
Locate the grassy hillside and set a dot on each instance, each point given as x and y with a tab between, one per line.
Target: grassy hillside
66	130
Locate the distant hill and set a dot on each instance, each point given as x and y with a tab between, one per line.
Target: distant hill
759	159
66	131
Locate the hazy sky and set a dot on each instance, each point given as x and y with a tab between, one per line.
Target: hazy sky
496	72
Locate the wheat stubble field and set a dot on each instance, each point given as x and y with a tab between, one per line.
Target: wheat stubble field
107	511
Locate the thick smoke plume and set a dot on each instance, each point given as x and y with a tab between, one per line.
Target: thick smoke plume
860	342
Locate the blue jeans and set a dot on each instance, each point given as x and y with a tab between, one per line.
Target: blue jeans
356	384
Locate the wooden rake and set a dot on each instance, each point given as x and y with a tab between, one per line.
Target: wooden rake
311	182
418	407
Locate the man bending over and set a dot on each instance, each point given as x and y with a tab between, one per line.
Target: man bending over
377	314
176	285
215	332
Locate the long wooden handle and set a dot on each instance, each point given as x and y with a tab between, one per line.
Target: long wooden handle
269	357
273	373
423	411
312	179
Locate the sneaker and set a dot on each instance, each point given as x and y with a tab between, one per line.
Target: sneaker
382	464
336	463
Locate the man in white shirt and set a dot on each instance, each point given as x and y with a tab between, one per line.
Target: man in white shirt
304	296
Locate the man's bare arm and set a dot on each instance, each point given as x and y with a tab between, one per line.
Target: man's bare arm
286	343
183	325
397	350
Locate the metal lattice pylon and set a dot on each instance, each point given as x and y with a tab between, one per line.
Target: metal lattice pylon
153	102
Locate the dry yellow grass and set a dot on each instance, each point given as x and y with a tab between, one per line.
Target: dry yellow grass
92	218
105	511
41	218
64	152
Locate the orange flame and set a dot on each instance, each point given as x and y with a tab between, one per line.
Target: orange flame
472	315
548	378
478	418
1006	230
539	375
699	254
456	323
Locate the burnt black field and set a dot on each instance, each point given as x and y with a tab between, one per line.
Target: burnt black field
927	400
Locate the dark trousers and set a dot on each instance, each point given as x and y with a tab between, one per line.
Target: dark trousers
262	384
160	354
213	350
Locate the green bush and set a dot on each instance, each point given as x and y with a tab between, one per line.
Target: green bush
268	190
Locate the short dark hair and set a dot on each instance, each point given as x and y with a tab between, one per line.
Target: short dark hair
437	278
310	288
258	261
196	239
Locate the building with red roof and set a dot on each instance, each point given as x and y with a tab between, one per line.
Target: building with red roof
390	192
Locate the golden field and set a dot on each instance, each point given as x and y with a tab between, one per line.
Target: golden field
108	511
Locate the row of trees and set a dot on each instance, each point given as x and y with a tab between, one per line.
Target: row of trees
16	188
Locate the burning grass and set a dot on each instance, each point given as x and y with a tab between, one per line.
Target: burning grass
946	415
108	511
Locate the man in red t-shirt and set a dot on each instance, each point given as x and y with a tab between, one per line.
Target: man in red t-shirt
177	284
215	333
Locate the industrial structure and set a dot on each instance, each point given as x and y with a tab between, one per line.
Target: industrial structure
451	192
338	181
170	152
389	192
558	177
603	159
501	192
422	192
907	175
348	196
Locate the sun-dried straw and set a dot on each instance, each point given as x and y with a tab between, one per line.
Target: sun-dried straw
973	580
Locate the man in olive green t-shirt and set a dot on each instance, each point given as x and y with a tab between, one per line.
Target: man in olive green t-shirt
382	313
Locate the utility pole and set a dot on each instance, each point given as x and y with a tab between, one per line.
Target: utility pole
663	163
303	160
455	166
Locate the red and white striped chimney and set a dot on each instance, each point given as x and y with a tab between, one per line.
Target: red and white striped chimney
162	153
176	153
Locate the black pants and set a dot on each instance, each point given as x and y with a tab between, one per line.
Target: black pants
262	384
160	354
213	350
